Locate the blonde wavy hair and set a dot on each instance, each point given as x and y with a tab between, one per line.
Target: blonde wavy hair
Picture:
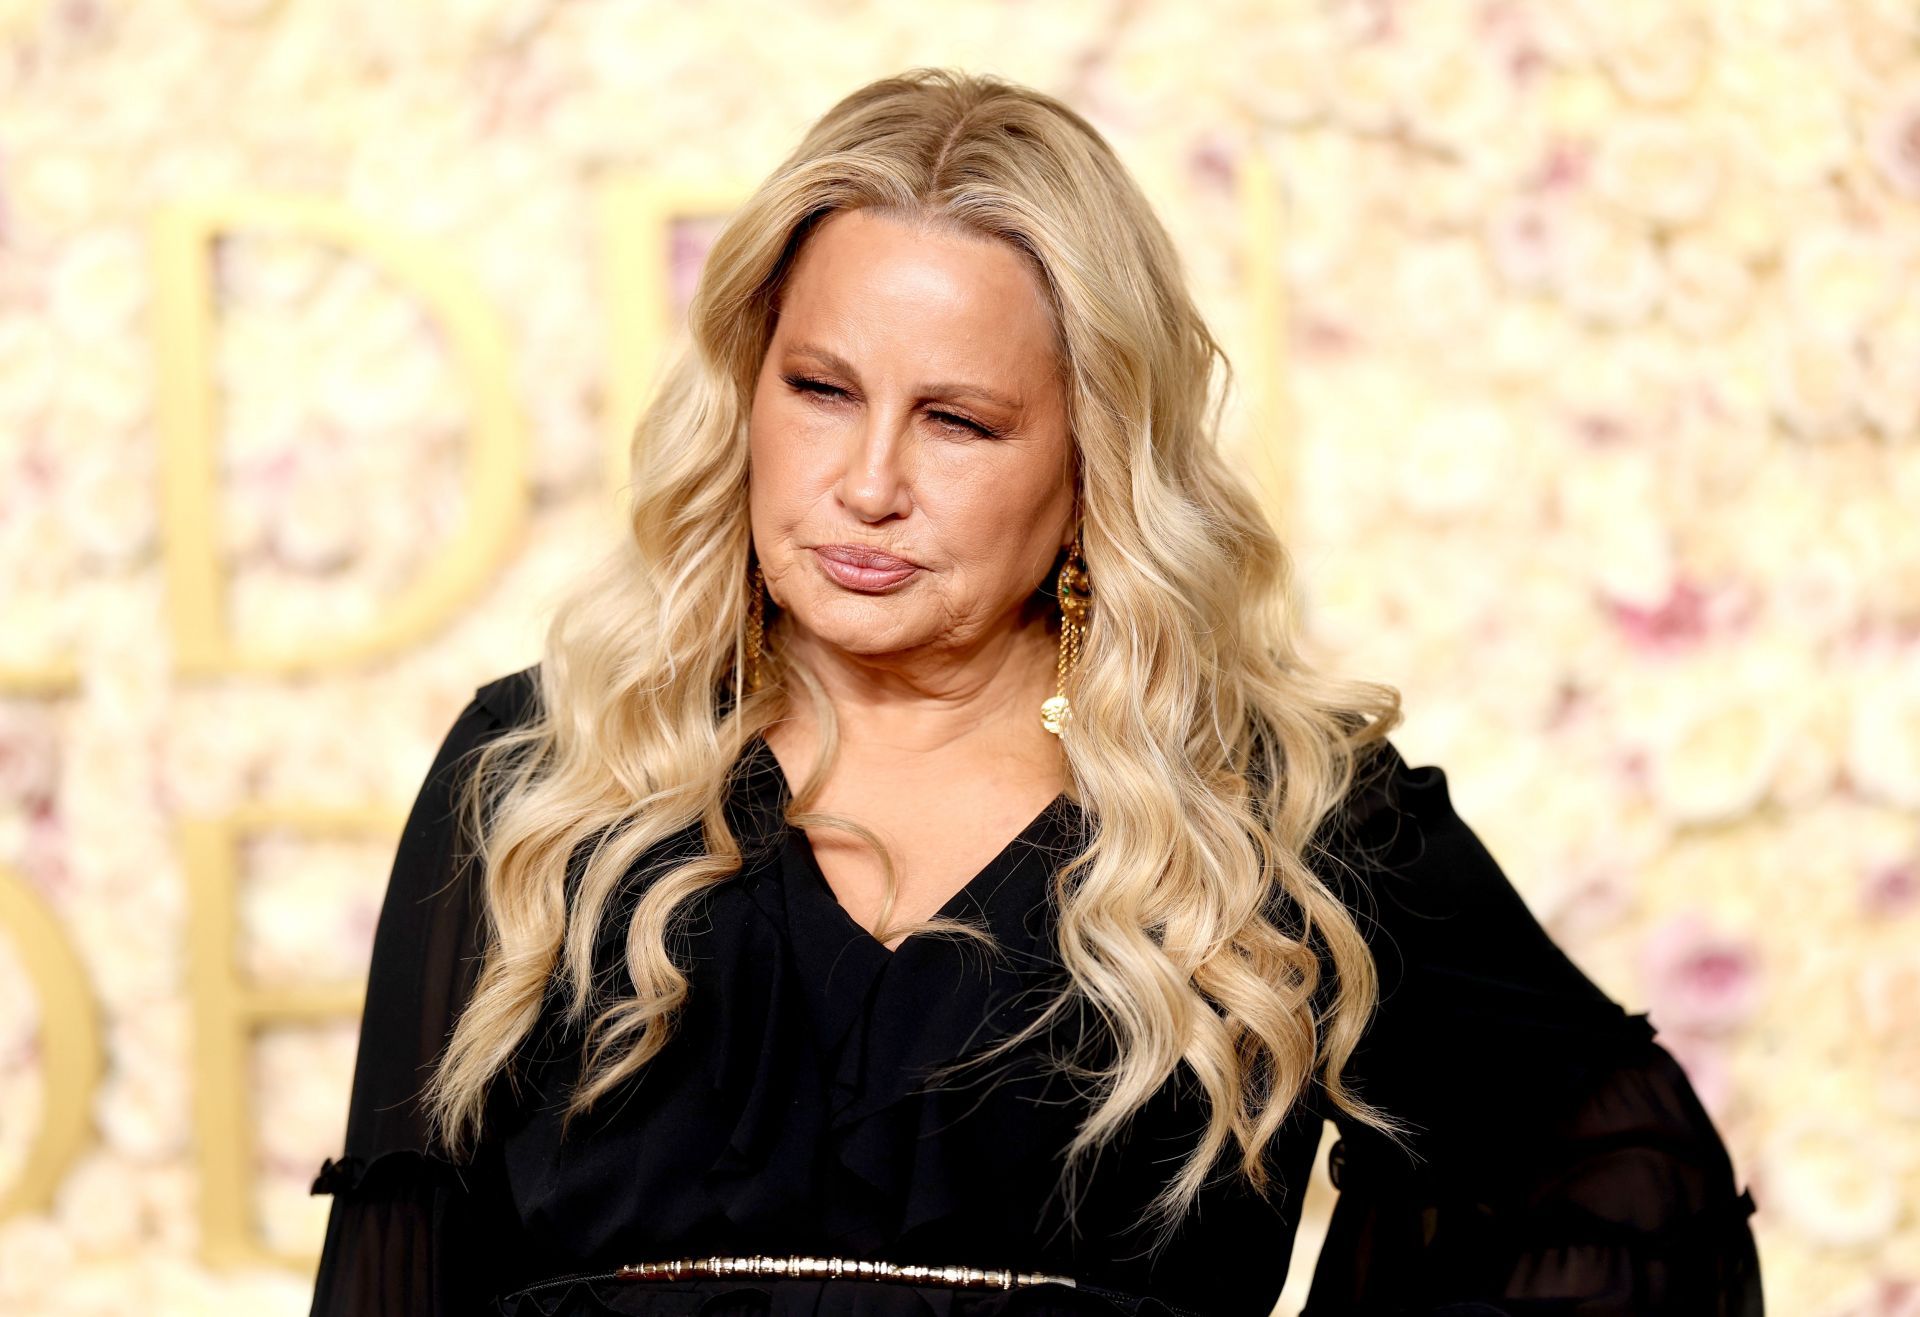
1206	752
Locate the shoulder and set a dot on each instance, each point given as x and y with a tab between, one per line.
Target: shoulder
511	699
497	706
1386	789
1397	849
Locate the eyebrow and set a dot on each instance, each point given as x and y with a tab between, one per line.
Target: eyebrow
947	392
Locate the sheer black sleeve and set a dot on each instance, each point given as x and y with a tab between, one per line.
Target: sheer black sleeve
409	1231
1562	1163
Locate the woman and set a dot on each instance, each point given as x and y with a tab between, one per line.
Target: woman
923	845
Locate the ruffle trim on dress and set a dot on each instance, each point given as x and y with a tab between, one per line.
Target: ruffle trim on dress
1629	1183
350	1173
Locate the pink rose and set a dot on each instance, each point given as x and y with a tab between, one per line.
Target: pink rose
1700	979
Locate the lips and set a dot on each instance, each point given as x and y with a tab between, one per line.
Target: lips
868	571
855	555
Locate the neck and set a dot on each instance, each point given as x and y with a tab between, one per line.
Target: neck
978	699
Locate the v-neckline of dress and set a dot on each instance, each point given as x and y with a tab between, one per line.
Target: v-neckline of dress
802	845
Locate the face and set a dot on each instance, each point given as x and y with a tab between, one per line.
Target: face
911	468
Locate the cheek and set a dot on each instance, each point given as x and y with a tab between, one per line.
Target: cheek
991	515
786	466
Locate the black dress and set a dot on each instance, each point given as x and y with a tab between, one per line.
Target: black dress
1566	1166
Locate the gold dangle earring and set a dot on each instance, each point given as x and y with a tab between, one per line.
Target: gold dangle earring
1075	599
756	632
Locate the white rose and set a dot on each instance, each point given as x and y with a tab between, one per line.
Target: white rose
1840	282
1750	219
98	285
106	389
1321	164
383	388
1656	54
1442	289
1630	558
1522	234
29	752
1883	742
1665	167
1708	288
1524	338
271	269
1463	96
1573	104
1343	599
171	1194
146	1117
33	1247
27	384
1614	520
302	924
206	765
318	526
301	1078
248	1292
1819	592
1281	71
1574	836
1719	759
1889	993
150	1036
53	194
1457	459
1885	1294
1890	392
291	1218
124	963
1881	34
1608	269
1810	764
266	422
108	506
1371	85
1815	382
95	1208
1831	1180
1782	106
1893	140
195	168
383	178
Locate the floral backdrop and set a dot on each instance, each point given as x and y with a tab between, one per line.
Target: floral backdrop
1596	394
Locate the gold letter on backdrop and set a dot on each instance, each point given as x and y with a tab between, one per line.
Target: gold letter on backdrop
227	1010
636	219
71	1056
184	314
1262	239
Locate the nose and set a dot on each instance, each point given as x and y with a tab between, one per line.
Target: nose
876	481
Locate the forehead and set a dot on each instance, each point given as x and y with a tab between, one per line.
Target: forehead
871	285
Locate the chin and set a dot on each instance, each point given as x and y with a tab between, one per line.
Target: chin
858	624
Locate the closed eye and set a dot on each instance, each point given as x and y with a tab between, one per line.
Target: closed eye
801	384
824	391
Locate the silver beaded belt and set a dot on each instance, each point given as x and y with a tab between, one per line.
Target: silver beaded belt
762	1264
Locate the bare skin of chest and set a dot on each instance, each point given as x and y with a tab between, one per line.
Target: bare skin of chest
941	828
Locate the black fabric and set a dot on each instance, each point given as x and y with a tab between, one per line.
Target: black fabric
1563	1164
